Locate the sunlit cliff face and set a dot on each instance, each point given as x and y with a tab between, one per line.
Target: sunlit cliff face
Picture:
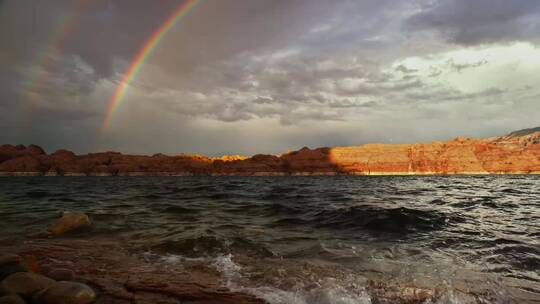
266	76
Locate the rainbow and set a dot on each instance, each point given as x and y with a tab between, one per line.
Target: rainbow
62	31
142	55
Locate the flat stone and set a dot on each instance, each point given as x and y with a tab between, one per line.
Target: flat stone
66	293
25	284
12	299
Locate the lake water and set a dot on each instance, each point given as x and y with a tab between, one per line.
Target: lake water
310	239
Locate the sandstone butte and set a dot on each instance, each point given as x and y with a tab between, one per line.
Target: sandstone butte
515	153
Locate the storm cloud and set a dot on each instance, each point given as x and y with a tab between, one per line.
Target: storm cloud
252	76
482	21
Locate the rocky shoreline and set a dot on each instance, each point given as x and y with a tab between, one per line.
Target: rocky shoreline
78	272
58	267
105	273
48	270
516	153
19	285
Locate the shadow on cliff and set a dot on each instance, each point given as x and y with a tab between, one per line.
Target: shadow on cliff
302	162
32	160
502	155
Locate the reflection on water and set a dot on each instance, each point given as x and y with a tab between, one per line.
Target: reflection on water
311	239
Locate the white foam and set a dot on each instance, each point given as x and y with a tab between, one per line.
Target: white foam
229	270
328	293
177	259
172	259
452	296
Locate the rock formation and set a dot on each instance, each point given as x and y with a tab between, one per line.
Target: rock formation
515	153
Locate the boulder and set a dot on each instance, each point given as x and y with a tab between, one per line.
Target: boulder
25	284
66	293
12	299
70	221
8	269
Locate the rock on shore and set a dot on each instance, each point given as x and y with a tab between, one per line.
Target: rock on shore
106	274
66	293
25	287
9	264
25	284
70	221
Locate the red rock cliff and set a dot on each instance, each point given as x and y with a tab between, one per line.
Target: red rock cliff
516	153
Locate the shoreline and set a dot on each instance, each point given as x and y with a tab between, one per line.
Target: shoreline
259	174
507	155
122	275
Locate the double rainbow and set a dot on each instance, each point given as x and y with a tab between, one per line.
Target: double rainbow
141	57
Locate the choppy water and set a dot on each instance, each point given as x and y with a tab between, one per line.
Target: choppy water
310	239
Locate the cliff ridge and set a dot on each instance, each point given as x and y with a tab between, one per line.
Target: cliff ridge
515	153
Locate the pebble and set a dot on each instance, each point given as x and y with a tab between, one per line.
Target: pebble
11	299
25	284
66	293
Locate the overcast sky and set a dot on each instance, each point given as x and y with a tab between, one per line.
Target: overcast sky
259	76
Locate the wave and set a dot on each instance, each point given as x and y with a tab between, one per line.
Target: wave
400	220
332	293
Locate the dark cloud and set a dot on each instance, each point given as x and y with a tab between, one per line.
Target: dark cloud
463	66
253	75
481	21
405	70
440	94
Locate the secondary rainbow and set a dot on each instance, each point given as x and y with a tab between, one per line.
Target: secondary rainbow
142	55
63	29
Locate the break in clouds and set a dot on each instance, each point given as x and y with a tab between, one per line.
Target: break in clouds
251	76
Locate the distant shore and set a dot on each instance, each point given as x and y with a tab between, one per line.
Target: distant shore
259	174
516	153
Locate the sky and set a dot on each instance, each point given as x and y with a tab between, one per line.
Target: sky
259	76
